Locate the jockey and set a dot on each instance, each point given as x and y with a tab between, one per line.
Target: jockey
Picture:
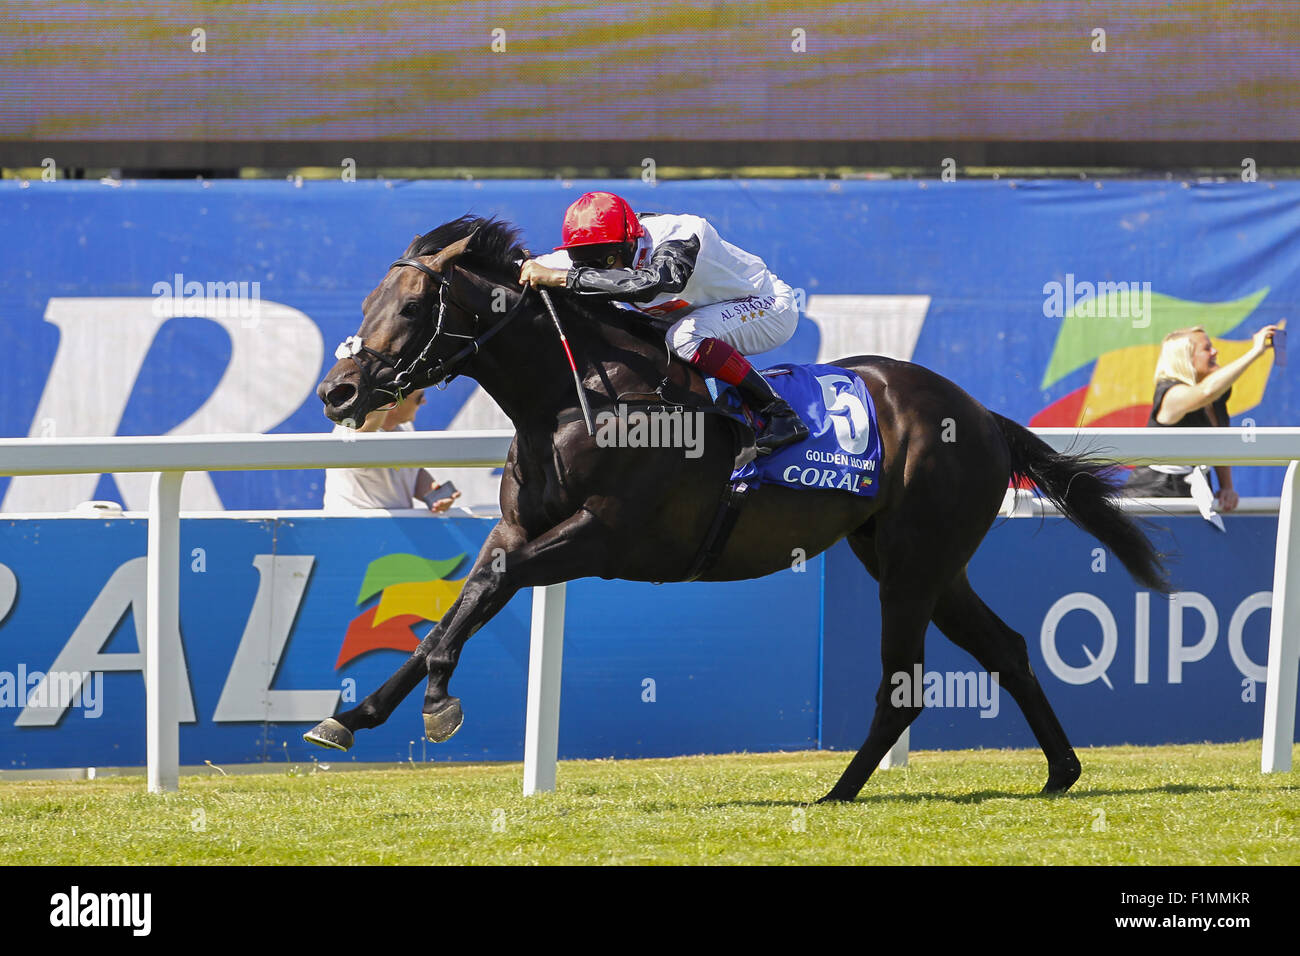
726	302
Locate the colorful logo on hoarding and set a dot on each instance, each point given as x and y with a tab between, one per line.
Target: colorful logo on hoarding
411	589
1120	389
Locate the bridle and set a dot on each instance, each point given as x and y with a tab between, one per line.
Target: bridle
447	369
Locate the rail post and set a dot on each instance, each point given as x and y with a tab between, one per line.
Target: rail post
162	643
896	756
545	657
1283	637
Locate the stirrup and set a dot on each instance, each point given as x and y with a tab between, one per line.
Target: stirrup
764	441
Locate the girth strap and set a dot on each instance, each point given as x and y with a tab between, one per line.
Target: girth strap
724	521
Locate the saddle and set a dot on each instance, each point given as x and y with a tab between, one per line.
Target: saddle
682	389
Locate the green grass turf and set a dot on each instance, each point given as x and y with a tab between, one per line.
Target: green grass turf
1187	804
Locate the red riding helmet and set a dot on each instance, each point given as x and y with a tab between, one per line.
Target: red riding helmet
598	219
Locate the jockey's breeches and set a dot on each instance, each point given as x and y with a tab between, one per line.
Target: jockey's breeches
752	325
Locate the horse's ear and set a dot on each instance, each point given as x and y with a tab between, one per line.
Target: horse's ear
450	254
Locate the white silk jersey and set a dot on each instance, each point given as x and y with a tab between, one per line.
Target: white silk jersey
722	272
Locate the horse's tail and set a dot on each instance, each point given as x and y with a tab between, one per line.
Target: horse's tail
1078	485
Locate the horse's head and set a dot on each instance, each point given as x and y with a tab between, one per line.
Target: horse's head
411	328
425	321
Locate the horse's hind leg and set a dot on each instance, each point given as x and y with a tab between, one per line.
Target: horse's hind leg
967	622
902	647
908	594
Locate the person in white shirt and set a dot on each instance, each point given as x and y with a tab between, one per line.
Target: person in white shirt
348	489
727	303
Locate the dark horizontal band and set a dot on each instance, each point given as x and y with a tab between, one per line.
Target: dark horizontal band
630	154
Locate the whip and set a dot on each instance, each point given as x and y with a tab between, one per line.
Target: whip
573	366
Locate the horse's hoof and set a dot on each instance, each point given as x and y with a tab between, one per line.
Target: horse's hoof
1061	779
329	733
443	723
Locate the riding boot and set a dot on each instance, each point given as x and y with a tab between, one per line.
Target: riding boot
784	427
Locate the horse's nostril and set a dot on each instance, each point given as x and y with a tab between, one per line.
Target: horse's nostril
340	395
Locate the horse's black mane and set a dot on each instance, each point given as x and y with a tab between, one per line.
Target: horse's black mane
498	247
496	242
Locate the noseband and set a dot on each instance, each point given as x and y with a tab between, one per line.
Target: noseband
447	369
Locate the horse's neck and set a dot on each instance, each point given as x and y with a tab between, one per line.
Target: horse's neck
527	387
526	372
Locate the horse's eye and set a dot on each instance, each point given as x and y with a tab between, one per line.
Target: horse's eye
411	309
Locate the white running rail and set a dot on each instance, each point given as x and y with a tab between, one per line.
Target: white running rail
170	457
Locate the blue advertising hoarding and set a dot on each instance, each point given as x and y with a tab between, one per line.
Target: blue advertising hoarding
276	636
1046	300
286	620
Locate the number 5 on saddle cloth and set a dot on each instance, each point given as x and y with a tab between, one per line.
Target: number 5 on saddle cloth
842	451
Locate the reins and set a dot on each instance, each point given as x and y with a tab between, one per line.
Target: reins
447	369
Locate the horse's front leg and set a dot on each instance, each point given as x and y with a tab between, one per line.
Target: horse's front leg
337	732
574	548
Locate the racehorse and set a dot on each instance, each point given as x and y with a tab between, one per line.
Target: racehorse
571	508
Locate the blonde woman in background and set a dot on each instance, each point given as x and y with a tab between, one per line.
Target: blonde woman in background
1192	392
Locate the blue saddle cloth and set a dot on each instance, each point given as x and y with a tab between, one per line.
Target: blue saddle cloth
842	452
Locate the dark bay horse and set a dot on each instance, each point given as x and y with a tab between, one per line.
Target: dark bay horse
572	509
